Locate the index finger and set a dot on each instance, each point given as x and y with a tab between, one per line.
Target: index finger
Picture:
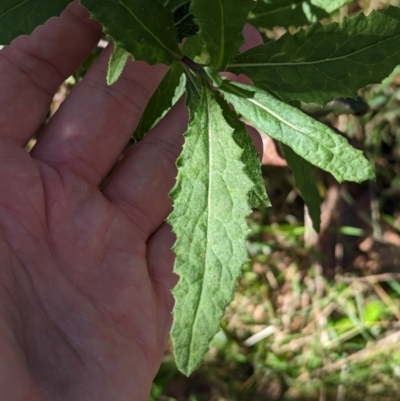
33	67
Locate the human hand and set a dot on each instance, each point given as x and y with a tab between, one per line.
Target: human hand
85	274
85	265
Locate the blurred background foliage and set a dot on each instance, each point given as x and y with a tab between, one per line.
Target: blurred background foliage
316	317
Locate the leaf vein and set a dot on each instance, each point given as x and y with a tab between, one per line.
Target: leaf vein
120	2
328	60
14	8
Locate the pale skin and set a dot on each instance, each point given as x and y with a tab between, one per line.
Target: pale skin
85	265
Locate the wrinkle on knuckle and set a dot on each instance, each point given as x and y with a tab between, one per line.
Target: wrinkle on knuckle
167	149
139	90
130	104
73	161
135	215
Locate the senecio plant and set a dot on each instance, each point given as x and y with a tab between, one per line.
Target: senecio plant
219	176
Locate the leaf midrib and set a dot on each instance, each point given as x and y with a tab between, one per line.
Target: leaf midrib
278	117
347	56
207	94
120	2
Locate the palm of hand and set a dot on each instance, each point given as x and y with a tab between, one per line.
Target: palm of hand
85	277
83	288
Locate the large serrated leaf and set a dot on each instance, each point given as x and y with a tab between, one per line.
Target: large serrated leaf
324	62
304	179
144	28
21	17
271	13
210	206
310	139
221	23
168	92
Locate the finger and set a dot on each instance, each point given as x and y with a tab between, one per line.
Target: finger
142	181
33	67
160	259
252	38
95	122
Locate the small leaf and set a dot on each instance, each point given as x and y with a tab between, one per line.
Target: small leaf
310	139
144	28
258	197
168	92
324	62
213	76
209	219
221	23
305	183
272	13
21	17
194	49
116	64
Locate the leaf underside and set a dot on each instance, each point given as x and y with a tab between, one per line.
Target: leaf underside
144	28
324	62
210	206
116	64
21	17
310	139
258	197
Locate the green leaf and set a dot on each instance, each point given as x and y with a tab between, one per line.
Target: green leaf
194	49
209	220
144	28
184	22
258	197
331	5
21	17
173	5
310	139
324	62
271	13
303	173
168	92
116	64
221	23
